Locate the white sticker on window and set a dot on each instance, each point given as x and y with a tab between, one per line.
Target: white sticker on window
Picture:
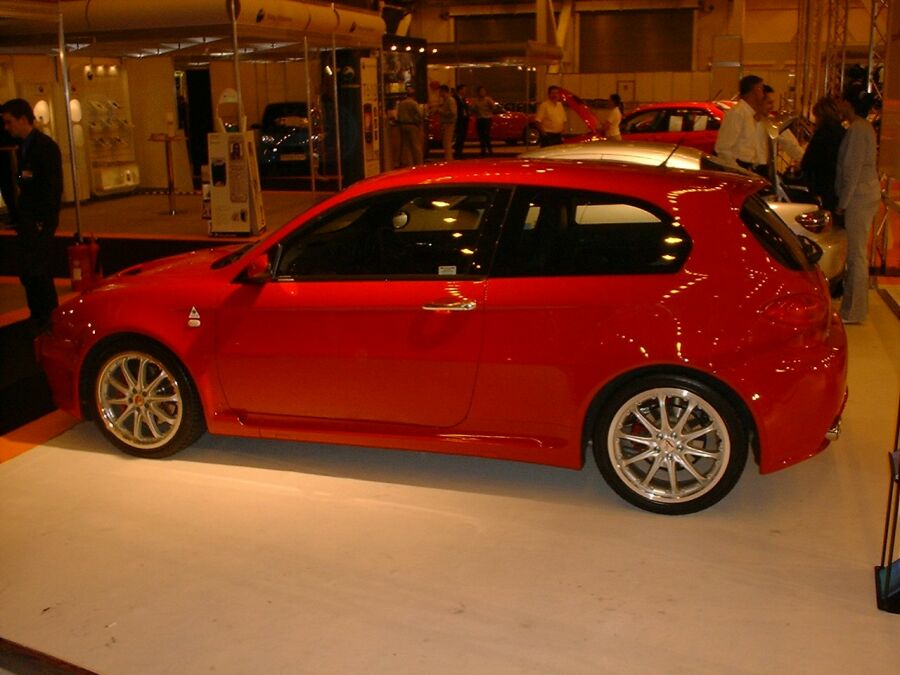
447	270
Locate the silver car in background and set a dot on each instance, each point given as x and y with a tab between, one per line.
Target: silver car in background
806	219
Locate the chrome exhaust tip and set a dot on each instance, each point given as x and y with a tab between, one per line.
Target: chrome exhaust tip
835	431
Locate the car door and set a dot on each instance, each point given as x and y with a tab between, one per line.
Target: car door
374	313
576	276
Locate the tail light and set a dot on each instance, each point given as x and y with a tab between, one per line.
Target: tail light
800	310
814	221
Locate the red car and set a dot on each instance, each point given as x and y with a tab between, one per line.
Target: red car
513	127
507	126
514	309
688	123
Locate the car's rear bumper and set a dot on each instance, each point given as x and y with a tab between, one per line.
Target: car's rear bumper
796	396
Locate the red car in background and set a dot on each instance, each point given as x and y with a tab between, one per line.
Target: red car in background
508	126
694	124
511	127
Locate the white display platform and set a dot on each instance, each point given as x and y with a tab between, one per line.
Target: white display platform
242	556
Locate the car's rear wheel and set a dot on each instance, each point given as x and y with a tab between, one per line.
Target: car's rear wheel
670	444
144	401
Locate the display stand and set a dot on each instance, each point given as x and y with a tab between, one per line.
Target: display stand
887	574
169	139
235	193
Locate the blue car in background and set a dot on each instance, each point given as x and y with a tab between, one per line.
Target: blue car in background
284	139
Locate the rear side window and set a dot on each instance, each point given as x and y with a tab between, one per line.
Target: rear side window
553	232
774	236
643	123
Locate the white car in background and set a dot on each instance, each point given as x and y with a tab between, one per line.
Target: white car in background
806	219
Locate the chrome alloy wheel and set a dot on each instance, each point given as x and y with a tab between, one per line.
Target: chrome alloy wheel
139	400
668	445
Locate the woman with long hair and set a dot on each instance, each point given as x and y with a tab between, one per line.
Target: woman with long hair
819	163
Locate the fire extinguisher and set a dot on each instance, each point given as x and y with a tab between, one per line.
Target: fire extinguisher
84	263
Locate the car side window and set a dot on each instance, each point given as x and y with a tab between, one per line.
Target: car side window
553	232
428	232
643	123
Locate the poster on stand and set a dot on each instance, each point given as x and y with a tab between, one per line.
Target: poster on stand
235	196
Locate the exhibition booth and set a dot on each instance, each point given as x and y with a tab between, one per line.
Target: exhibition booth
150	88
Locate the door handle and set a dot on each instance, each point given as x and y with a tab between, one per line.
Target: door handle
450	306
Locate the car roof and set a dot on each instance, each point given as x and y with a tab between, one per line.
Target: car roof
643	153
651	183
632	152
710	106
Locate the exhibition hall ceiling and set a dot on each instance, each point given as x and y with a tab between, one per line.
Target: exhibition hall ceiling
184	29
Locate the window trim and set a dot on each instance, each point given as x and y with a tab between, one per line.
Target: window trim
488	233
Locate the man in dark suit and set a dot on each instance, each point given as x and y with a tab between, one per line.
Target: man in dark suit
39	183
462	120
8	174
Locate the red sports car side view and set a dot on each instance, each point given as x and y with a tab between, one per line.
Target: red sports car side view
665	320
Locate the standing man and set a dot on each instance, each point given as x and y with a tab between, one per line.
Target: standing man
39	182
462	121
551	118
409	119
738	140
446	110
8	173
786	140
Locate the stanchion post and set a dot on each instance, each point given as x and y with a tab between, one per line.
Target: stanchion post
887	574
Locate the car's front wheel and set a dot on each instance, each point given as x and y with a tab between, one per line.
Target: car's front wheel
144	401
532	135
670	444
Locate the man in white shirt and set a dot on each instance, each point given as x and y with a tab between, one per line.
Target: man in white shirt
551	118
738	140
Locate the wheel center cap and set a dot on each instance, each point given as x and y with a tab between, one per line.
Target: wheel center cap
138	399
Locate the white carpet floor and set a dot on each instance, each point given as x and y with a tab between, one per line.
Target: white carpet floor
242	556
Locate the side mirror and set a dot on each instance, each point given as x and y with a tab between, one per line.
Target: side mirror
259	271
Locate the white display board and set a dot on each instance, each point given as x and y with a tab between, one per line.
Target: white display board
234	191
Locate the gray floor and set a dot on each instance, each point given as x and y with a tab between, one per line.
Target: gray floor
258	556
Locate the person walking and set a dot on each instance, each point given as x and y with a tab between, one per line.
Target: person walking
738	141
819	164
39	183
484	117
551	118
859	194
409	119
462	120
446	111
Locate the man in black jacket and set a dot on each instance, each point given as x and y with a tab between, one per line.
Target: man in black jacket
39	183
462	121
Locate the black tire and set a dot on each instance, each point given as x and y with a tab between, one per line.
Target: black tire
143	400
681	462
